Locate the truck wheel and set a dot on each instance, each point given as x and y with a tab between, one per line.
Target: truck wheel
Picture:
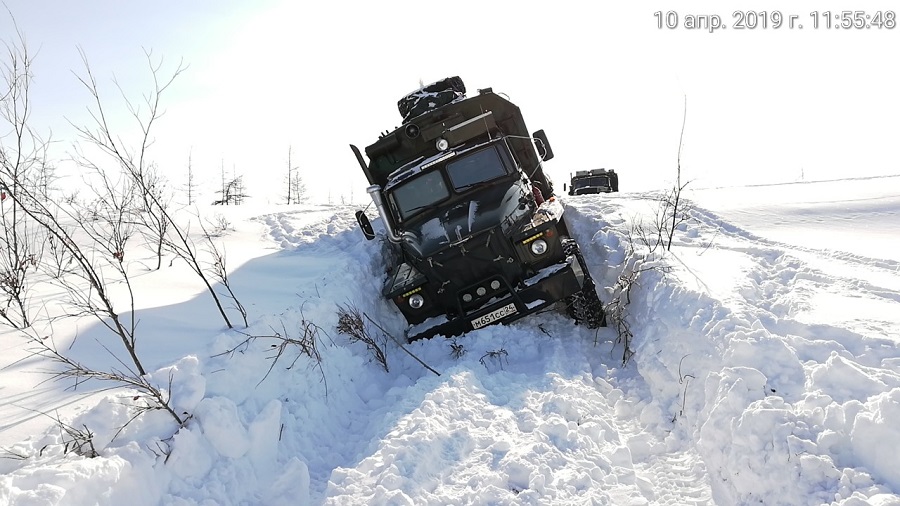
584	307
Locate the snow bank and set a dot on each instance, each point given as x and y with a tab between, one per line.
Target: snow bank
782	412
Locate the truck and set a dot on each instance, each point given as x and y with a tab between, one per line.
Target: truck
593	181
473	234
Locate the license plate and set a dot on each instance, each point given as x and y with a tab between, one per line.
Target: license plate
497	314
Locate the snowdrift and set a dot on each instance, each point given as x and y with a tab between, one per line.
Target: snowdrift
764	371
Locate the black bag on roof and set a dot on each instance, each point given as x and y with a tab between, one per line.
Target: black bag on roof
431	97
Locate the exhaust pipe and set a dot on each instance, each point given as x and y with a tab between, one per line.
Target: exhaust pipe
375	193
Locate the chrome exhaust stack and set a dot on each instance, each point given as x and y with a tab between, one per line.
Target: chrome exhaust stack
375	192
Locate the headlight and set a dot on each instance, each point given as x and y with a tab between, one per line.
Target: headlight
416	301
539	247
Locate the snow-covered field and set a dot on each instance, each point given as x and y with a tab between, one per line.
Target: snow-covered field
766	370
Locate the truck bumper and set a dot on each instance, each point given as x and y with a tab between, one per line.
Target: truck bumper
548	286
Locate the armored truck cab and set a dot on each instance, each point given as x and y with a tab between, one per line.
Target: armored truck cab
474	234
593	181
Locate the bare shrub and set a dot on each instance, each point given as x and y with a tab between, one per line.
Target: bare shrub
135	164
153	397
495	357
155	199
306	344
87	241
617	309
217	226
77	440
673	204
456	350
23	169
219	272
672	210
351	324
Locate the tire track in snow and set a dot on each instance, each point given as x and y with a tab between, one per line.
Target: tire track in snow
291	229
667	473
784	285
762	247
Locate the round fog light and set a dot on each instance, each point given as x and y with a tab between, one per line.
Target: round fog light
416	301
539	246
467	297
481	291
495	285
442	144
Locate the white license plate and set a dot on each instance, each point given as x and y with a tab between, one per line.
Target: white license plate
497	314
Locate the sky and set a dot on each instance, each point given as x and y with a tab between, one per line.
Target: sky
610	87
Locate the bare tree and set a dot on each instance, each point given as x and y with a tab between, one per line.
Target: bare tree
224	191
135	163
296	188
153	217
237	190
674	206
23	157
672	209
190	186
232	192
86	241
289	178
220	273
44	176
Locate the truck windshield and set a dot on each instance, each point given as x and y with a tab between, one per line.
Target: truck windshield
479	167
419	193
429	189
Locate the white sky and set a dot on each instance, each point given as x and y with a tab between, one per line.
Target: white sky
604	82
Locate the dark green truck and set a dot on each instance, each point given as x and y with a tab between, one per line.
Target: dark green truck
474	233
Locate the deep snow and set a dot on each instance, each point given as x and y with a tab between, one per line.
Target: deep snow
765	370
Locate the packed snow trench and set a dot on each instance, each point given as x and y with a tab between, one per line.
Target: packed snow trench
764	371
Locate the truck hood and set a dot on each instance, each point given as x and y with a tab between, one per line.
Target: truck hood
487	208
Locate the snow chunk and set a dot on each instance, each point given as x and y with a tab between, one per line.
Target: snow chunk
188	385
222	426
876	437
264	432
291	488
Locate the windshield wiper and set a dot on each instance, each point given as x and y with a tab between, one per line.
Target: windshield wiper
480	184
410	212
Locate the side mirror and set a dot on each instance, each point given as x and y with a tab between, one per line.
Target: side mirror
365	225
542	145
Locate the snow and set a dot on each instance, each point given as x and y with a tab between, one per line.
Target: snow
765	370
546	272
433	229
